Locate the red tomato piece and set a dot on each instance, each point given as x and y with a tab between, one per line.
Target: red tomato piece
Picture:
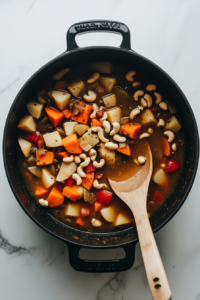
172	165
33	137
70	181
154	108
85	212
157	196
104	197
90	168
60	85
99	113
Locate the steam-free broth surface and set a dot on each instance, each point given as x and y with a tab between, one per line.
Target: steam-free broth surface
167	156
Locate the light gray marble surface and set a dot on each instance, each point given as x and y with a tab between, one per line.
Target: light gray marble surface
35	265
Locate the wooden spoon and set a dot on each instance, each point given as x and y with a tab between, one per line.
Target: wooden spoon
134	193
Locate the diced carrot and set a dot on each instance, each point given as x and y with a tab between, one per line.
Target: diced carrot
41	191
84	115
40	142
96	123
131	130
70	193
85	212
28	175
63	154
71	144
60	85
97	206
55	198
88	180
80	222
166	147
67	113
45	159
125	150
54	116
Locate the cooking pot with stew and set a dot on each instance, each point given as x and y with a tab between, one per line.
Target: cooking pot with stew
84	117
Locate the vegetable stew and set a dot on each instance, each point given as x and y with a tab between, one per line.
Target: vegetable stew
91	123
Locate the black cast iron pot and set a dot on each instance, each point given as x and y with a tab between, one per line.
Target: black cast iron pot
75	239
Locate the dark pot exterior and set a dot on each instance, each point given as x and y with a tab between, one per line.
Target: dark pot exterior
76	238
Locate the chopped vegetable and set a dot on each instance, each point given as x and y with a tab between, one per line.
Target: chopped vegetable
81	128
97	206
53	139
25	146
35	171
114	115
70	181
85	212
148	118
104	197
121	220
54	116
79	189
157	196
48	179
71	144
88	180
108	155
66	170
67	113
45	159
41	191
27	123
40	142
83	116
96	123
80	222
110	100
131	130
60	85
159	177
125	150
61	98
76	87
108	213
166	147
107	83
63	154
35	108
55	198
33	137
90	168
88	140
72	210
173	125
69	127
172	165
70	193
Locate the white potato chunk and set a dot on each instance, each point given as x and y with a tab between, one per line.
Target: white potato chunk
81	128
79	189
60	74
73	210
108	83
147	118
35	171
76	87
27	123
159	177
52	169
25	146
35	108
53	139
121	220
69	127
48	179
84	144
102	67
90	138
110	100
114	115
66	170
108	213
173	125
61	98
108	155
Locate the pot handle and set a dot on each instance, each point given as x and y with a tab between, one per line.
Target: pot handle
101	266
98	25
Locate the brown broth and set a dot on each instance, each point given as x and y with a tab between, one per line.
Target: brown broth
125	166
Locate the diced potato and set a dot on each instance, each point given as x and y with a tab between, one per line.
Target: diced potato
76	87
61	131
114	115
52	169
35	109
102	67
41	99
121	95
66	170
69	127
81	128
90	138
108	155
159	177
79	189
27	123
121	220
44	121
61	98
108	213
173	125
172	109
48	179
25	146
31	159
35	171
147	118
60	74
73	210
53	139
108	83
110	100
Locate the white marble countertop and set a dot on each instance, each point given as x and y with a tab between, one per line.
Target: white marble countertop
34	264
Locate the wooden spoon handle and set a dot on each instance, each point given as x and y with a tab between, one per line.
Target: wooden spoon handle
155	271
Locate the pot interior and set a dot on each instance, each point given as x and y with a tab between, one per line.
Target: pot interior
134	61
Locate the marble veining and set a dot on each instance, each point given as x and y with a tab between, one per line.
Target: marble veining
34	32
